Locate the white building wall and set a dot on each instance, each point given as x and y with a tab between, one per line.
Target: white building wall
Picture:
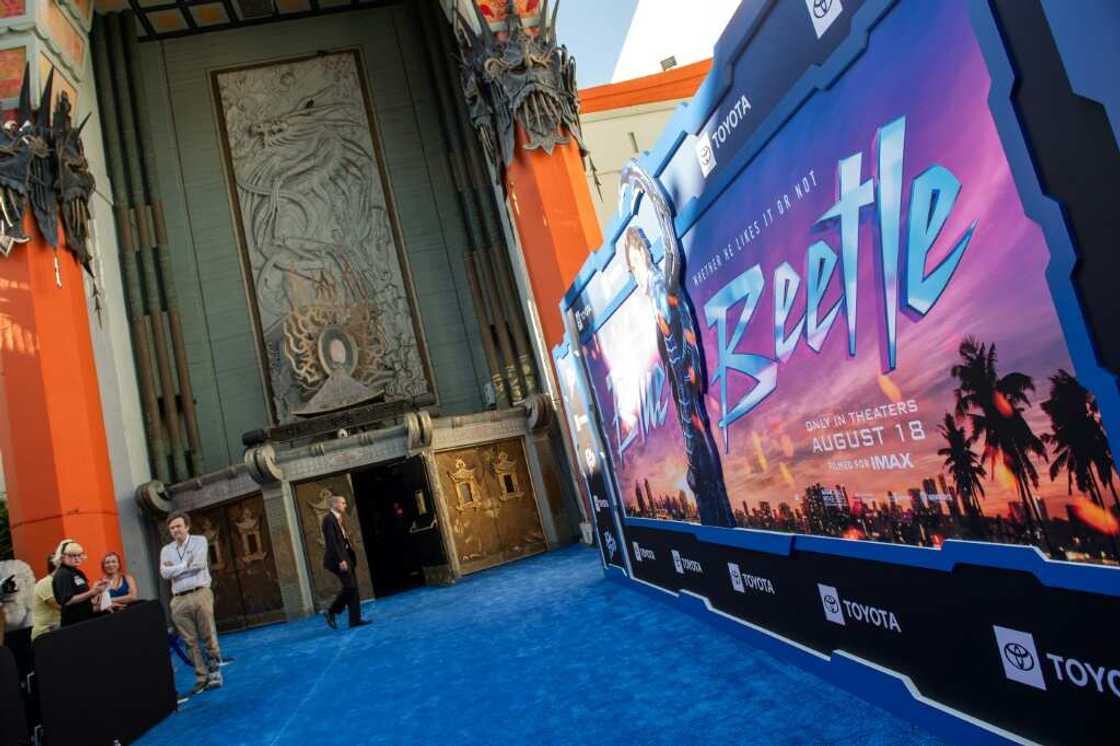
614	137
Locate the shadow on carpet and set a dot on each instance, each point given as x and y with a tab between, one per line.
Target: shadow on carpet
542	651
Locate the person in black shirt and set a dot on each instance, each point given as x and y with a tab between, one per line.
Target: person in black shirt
72	590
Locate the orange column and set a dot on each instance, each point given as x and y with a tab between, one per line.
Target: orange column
556	222
52	434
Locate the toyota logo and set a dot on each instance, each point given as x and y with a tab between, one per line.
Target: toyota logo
1018	656
821	8
832	604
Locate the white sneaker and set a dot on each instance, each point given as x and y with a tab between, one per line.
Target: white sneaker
214	680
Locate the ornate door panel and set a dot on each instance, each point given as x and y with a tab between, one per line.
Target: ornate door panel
242	569
472	511
491	503
313	499
251	547
229	611
518	521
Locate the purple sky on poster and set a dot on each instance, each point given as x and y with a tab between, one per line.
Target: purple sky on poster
925	65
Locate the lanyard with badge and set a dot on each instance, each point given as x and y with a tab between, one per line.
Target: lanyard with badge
185	551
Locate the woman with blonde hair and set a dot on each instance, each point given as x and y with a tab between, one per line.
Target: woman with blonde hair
72	590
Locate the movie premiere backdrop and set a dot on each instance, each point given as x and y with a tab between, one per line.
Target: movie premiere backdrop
830	385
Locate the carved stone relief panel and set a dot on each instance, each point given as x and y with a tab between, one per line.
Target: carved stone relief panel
313	499
491	503
329	287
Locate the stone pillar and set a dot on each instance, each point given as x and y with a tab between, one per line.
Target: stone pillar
536	147
556	222
287	549
52	433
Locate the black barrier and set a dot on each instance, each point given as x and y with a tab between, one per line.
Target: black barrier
18	642
1031	649
13	724
106	679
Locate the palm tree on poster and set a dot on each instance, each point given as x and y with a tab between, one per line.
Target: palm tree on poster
1078	440
963	464
994	406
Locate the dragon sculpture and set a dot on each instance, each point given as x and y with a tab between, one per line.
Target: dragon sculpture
518	79
43	164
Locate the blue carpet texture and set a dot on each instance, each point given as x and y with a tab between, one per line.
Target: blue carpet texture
542	651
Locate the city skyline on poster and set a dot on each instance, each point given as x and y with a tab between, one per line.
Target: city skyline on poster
819	429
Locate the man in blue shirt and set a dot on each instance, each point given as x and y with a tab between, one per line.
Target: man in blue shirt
185	563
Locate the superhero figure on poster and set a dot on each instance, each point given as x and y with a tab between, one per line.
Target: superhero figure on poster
677	345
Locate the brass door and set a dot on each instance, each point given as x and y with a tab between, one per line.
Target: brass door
312	498
229	611
490	499
251	548
242	568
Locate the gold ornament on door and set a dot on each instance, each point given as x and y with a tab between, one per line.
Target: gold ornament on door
248	526
505	469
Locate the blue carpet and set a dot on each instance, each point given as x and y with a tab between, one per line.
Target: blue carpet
542	651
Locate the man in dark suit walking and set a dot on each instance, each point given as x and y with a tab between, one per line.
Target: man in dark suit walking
340	559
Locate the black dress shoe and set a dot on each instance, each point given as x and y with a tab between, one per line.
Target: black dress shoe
360	623
331	622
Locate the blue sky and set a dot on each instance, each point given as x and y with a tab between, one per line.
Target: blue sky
593	31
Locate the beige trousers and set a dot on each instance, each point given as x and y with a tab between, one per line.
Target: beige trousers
193	615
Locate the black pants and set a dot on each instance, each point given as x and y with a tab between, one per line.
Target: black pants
348	596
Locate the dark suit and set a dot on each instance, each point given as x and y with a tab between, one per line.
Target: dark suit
338	549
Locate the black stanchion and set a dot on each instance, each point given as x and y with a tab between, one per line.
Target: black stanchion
106	679
13	724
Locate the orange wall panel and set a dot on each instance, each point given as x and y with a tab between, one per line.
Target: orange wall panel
12	62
